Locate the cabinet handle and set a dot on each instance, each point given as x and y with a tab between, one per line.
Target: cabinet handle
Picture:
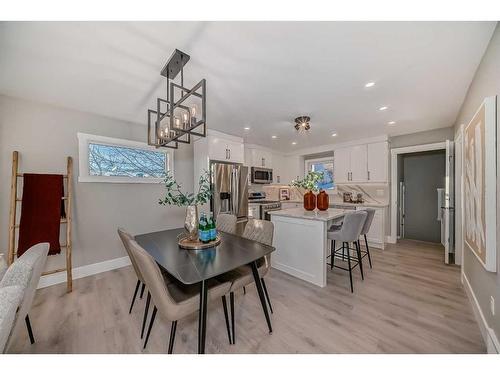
263	162
368	175
229	153
227	157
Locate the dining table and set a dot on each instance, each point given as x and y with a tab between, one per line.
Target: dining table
199	266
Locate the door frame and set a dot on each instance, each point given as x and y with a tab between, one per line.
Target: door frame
394	179
459	206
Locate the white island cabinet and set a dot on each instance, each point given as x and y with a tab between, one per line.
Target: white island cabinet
301	243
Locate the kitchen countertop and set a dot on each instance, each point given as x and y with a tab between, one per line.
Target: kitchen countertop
300	213
364	204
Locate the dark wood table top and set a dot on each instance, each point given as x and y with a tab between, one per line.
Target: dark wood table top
193	266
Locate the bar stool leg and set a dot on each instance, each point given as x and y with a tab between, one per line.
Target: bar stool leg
348	262
360	259
368	252
332	254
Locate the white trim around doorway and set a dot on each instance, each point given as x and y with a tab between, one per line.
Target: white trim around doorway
394	177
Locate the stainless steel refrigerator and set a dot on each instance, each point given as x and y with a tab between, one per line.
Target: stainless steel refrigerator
229	183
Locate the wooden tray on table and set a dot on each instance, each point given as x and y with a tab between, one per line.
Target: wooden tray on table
185	243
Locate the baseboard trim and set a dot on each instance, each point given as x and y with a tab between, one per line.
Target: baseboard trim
84	271
489	336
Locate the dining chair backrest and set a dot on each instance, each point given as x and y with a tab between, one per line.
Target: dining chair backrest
126	239
368	222
352	226
155	281
259	230
226	223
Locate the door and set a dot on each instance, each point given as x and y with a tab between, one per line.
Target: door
449	201
377	162
401	202
222	186
359	172
342	160
217	149
459	242
241	211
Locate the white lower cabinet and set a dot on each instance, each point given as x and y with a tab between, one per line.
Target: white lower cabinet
285	205
376	234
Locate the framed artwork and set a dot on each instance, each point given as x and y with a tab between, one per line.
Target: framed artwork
480	162
284	194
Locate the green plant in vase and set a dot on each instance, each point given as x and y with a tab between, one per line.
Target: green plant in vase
309	183
175	197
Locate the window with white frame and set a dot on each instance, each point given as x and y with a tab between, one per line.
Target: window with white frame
324	165
105	159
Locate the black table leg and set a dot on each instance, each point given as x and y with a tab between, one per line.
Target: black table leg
202	317
258	284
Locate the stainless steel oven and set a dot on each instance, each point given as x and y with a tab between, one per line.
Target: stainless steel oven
261	175
265	208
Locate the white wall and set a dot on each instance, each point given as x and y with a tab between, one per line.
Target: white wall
45	135
486	83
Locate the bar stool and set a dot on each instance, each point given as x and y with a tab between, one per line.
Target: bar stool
364	231
349	232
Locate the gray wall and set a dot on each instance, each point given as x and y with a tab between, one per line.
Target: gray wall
486	83
45	135
421	138
423	173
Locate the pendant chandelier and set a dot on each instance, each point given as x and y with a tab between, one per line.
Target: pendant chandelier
182	113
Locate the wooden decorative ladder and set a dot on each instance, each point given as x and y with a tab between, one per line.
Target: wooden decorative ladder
14	199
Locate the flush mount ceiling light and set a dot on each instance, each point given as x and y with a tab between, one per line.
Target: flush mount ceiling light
383	108
246	128
370	84
391	123
334	134
274	136
294	143
302	123
176	117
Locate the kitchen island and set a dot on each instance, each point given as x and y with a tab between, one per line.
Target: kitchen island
301	243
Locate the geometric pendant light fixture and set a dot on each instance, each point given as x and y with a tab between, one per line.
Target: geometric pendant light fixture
182	113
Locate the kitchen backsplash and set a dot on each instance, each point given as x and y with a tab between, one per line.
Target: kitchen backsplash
371	193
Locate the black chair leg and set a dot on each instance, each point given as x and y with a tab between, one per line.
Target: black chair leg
142	291
267	295
30	332
153	316
135	295
231	302
348	262
173	328
360	259
146	310
244	290
332	254
368	252
226	316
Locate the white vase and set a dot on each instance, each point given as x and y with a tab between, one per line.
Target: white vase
191	222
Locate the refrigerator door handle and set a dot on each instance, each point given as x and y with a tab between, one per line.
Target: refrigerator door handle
235	188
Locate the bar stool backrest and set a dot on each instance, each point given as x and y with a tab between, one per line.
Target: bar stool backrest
369	219
352	226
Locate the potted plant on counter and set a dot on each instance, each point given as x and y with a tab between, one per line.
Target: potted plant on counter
175	197
309	183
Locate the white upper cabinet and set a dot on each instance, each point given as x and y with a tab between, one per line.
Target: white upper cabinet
224	149
342	165
359	163
378	162
362	163
258	157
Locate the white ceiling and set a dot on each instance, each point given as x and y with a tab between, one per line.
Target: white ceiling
259	74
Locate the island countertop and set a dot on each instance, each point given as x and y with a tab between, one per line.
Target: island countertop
300	213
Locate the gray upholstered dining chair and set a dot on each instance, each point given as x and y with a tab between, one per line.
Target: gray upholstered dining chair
226	223
25	272
260	231
172	299
366	228
126	238
348	233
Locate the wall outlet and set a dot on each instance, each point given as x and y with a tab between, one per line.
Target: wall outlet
492	305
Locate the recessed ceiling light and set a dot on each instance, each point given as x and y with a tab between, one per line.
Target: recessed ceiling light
334	134
294	143
370	84
246	128
274	136
383	108
391	122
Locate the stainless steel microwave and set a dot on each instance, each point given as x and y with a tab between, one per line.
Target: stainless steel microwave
261	175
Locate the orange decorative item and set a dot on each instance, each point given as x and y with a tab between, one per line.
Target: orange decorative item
322	201
309	201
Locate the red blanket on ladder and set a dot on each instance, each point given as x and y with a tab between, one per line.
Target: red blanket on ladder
41	210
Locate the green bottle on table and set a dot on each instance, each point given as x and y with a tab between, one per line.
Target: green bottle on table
202	229
213	230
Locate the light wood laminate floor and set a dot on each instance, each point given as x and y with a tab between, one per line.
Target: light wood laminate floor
410	302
